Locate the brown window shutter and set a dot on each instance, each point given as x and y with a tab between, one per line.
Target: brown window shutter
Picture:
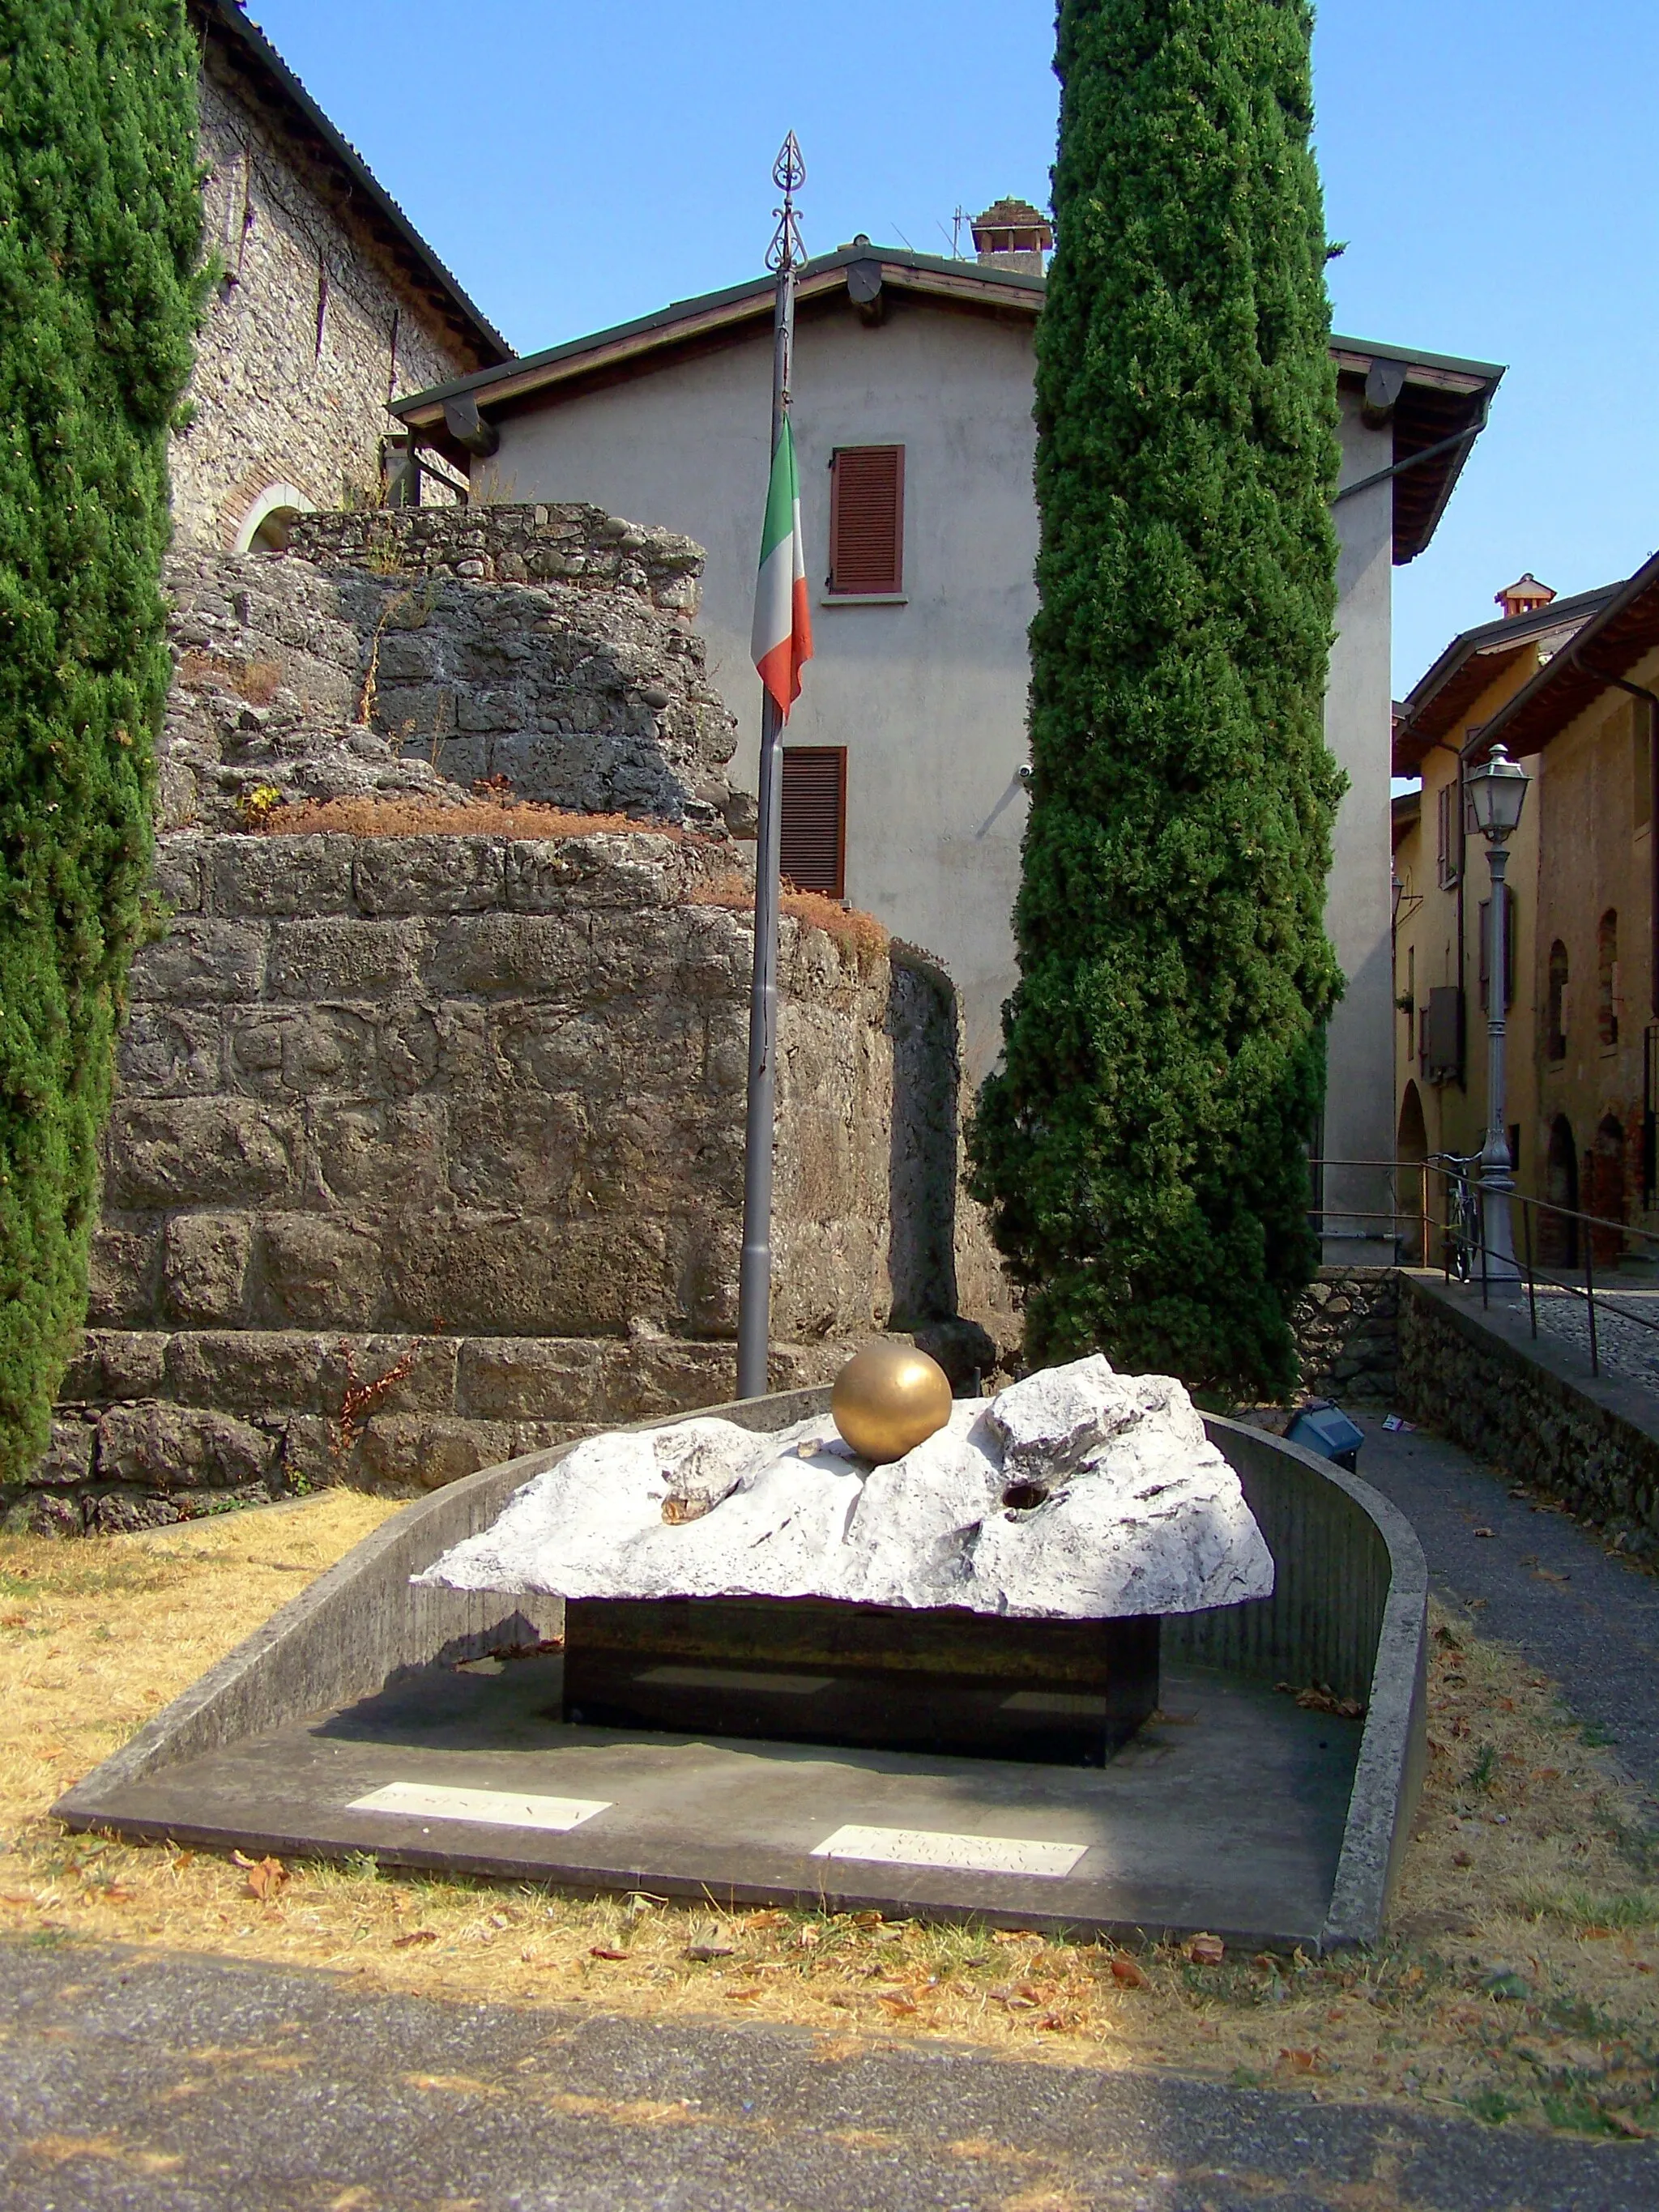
813	829
866	518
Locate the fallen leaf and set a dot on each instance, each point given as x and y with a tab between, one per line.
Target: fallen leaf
1127	1974
866	1920
1206	1950
771	1918
754	1990
1627	2126
415	1935
1595	1935
1462	1859
267	1878
897	2001
1014	1935
1302	2061
704	1951
808	1938
605	1951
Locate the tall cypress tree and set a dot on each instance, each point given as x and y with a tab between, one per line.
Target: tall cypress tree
1142	1149
100	236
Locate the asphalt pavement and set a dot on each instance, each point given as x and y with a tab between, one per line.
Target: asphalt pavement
1529	1575
156	2082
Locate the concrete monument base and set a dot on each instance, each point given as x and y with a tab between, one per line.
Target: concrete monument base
803	1670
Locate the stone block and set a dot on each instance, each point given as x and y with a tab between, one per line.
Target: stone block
116	1362
268	875
178	872
123	1275
201	1152
372	1155
509	1378
201	961
67	1459
295	1052
317	1271
251	1371
428	875
161	1447
343	959
170	1052
503	955
204	1267
524	1154
310	1457
424	1451
400	1374
41	1513
445	1046
647	1376
479	1273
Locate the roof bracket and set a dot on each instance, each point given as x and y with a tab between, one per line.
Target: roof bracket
1384	382
468	428
864	289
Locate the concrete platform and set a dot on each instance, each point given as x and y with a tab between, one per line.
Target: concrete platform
1246	1815
1228	1815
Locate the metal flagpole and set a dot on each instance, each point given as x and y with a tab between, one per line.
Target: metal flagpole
755	1268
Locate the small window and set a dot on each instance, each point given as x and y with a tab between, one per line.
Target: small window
1555	1046
813	829
1450	854
867	521
1607	978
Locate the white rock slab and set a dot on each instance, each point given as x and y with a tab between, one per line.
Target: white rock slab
1140	1513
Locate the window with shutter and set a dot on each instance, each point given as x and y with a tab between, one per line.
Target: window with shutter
813	829
866	520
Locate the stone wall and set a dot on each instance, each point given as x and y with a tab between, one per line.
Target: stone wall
309	333
1347	1335
429	1149
1478	1378
411	653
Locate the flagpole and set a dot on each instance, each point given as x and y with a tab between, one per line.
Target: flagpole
755	1267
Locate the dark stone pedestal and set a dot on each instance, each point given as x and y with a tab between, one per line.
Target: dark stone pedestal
809	1670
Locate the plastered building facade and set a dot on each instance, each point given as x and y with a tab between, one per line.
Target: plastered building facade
925	687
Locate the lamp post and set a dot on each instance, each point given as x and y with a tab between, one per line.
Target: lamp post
1498	792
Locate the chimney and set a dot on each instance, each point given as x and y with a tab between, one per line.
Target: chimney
1014	234
1525	597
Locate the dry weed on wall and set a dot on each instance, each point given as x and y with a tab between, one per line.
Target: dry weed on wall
1518	1981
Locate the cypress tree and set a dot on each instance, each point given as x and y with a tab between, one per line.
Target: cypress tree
1142	1149
100	236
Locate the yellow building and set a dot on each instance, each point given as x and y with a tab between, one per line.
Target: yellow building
1443	892
1564	685
1590	718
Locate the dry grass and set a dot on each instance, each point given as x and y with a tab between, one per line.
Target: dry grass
861	933
1521	1979
256	681
464	817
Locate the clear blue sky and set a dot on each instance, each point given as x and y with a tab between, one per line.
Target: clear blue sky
1490	163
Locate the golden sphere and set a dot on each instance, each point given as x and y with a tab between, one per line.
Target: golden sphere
888	1399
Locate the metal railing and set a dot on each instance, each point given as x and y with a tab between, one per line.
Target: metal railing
1458	1225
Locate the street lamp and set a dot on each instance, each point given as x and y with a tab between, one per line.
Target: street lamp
1498	792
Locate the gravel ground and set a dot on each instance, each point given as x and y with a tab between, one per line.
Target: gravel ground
1627	1346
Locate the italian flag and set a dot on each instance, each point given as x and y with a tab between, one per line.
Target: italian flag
783	623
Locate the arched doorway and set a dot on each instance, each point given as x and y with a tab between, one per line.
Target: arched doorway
1411	1149
1607	1190
265	527
1557	1240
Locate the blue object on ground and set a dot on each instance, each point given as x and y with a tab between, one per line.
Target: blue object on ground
1326	1429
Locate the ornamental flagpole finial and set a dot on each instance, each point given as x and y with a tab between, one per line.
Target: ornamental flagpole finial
788	174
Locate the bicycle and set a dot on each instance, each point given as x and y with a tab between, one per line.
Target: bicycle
1463	1234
